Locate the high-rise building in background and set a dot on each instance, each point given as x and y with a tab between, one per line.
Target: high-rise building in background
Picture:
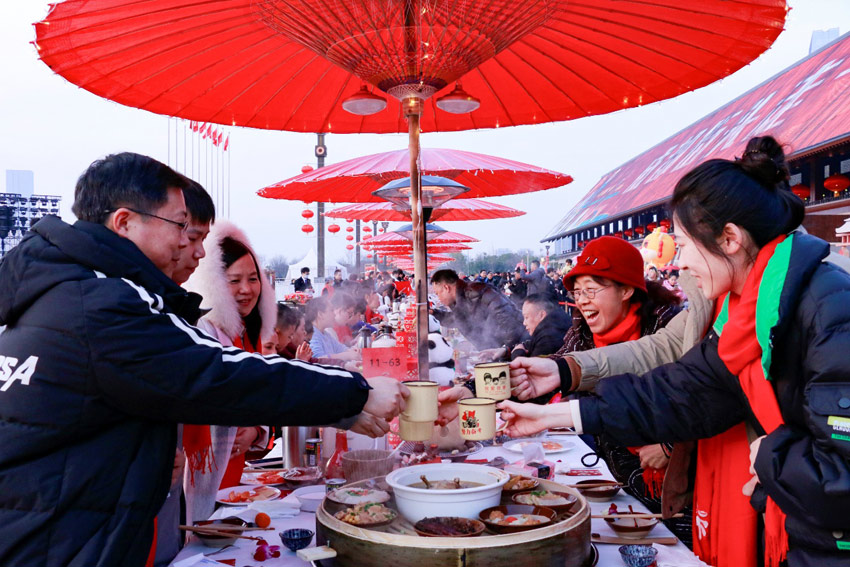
20	207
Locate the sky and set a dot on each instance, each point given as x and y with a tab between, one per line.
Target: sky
56	129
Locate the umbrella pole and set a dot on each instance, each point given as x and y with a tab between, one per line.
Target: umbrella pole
413	109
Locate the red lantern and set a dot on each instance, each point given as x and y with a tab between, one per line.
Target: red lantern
802	191
368	255
306	168
639	230
349	221
618	234
665	224
349	229
628	232
349	246
349	238
836	183
333	229
367	229
307	228
651	226
380	230
307	213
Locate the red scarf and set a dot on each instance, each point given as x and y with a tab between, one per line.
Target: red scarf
233	472
626	330
723	467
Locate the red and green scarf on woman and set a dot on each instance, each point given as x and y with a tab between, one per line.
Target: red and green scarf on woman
725	524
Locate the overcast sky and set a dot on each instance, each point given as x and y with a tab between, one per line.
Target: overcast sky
57	129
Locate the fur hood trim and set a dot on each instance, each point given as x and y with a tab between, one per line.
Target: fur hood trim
209	281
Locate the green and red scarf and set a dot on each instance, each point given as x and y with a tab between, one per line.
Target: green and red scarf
724	522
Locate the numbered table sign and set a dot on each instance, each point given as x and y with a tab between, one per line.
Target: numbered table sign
390	362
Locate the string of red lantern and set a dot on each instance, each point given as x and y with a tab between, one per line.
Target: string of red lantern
307	228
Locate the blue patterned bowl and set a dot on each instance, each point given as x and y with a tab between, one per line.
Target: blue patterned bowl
638	555
296	538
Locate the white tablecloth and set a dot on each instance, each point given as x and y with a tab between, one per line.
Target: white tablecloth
668	555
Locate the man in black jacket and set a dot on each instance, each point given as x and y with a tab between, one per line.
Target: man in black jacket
98	365
547	324
303	283
484	316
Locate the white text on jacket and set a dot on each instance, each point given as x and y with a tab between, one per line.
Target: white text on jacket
10	371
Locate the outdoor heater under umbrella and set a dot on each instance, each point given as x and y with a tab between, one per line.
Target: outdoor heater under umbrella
306	65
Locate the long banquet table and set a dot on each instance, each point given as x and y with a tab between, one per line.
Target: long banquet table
668	555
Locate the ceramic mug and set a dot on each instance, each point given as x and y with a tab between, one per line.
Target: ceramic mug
477	418
415	430
422	405
493	380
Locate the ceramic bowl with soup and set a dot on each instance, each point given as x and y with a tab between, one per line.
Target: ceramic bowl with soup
456	489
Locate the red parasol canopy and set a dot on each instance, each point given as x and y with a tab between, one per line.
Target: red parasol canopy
289	65
406	248
352	181
434	238
457	210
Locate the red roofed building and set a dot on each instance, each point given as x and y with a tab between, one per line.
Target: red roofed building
805	107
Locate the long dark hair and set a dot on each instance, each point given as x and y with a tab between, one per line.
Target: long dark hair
751	191
231	251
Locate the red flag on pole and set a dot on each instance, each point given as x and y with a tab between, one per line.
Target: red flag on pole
213	135
220	138
206	131
226	142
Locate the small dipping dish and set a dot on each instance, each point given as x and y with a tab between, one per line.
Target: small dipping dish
296	538
598	493
638	555
216	540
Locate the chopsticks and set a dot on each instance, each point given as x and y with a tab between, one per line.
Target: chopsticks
635	516
596	485
202	530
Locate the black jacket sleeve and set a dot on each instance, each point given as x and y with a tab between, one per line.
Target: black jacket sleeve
690	399
149	362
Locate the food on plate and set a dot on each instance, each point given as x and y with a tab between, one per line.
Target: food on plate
454	484
448	526
541	498
366	514
255	495
352	495
500	519
547	445
269	478
520	483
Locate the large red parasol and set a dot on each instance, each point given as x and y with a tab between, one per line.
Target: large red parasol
298	64
434	238
354	180
457	210
290	64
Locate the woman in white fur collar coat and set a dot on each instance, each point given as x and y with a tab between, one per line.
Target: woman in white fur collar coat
242	313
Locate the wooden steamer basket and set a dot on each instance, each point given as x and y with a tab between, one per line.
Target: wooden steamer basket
565	543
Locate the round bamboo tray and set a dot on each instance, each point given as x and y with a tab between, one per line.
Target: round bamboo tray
566	543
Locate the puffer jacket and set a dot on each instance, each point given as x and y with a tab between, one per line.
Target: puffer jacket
97	366
547	337
804	465
484	316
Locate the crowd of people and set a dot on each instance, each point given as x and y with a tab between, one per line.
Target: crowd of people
144	356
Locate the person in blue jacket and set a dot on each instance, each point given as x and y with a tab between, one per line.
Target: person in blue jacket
98	364
772	376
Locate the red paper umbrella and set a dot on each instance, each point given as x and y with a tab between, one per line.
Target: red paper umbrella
354	180
432	248
447	237
295	65
455	210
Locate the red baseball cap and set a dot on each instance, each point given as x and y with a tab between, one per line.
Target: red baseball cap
611	258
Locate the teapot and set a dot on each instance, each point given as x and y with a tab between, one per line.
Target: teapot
364	338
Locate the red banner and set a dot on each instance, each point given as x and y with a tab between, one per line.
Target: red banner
390	362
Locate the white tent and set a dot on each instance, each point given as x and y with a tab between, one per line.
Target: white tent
311	261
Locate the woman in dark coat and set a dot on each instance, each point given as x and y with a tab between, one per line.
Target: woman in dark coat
772	379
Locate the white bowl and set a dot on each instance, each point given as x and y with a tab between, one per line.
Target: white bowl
310	497
417	503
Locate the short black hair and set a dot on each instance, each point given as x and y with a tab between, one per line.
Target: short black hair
444	276
544	302
305	270
199	204
287	316
124	180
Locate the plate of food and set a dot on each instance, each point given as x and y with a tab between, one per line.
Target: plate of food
516	518
263	478
519	484
368	514
560	502
448	526
352	495
471	447
549	445
243	495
